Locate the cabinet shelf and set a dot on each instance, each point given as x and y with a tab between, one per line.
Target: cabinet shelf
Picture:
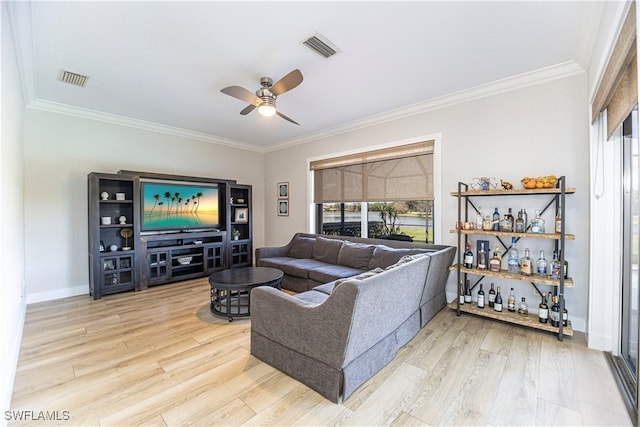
520	192
504	274
115	202
550	236
530	321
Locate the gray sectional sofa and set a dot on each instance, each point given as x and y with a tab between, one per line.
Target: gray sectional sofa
337	334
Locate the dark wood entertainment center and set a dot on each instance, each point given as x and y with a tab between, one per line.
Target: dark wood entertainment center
118	263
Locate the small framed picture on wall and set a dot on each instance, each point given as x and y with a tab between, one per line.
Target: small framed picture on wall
283	190
283	207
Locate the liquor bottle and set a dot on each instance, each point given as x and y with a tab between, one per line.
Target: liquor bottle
523	308
565	269
495	263
513	261
468	257
461	293
511	219
520	224
482	258
565	314
558	222
525	217
467	293
487	225
541	264
543	310
526	268
496	220
497	305
492	296
479	219
555	267
481	297
498	253
506	224
537	223
555	312
511	301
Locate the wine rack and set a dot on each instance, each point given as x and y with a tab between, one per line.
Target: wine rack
466	204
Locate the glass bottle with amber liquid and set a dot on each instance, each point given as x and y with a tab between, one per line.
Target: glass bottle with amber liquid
526	267
495	261
543	310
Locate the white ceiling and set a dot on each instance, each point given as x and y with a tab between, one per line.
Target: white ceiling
165	62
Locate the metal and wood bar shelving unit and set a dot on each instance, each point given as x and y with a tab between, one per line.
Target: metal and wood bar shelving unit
466	204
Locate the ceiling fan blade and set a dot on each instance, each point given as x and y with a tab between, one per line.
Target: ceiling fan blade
241	94
249	108
287	83
287	118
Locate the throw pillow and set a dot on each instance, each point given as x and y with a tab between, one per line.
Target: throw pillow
326	250
302	247
356	255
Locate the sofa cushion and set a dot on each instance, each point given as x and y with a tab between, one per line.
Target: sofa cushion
302	267
328	273
274	262
326	250
356	255
302	247
384	256
313	297
325	288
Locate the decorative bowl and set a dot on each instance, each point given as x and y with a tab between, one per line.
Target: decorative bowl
184	260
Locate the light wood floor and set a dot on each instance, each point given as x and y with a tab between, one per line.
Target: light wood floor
159	358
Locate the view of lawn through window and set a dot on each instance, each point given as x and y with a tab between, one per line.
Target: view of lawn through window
406	220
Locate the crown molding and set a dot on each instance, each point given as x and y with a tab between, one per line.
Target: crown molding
69	110
532	78
540	76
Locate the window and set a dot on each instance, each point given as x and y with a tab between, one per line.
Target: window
383	194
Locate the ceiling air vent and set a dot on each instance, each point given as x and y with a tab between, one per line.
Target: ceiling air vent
320	45
73	78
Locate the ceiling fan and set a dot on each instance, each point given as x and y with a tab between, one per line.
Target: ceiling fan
265	97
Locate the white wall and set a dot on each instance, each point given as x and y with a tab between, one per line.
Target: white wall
534	130
12	294
61	150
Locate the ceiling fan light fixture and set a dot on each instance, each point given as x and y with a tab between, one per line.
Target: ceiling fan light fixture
267	110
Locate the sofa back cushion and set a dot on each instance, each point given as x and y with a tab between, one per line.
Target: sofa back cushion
356	255
326	250
302	247
385	256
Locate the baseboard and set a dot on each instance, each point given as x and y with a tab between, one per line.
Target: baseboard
57	294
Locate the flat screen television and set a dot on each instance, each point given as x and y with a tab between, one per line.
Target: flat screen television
179	206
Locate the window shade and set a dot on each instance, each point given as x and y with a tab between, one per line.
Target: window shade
394	174
618	89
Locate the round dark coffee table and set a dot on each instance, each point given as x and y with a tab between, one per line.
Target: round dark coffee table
231	289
